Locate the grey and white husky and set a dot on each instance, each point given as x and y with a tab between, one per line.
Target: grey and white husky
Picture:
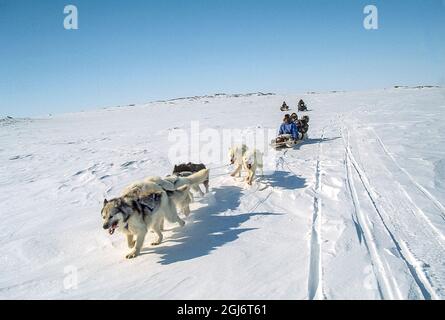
143	206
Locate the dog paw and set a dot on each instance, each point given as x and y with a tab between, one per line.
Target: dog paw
131	245
131	255
182	223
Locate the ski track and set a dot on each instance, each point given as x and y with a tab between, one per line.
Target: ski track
315	278
383	283
436	202
413	265
315	275
417	274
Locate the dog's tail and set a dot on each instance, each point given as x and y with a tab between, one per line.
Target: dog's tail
164	184
178	193
186	190
199	177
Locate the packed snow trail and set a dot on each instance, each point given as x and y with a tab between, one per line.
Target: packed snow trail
315	282
354	212
406	226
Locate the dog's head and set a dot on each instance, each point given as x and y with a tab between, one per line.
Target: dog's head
249	159
235	153
114	213
231	156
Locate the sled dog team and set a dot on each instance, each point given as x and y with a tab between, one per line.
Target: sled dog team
146	204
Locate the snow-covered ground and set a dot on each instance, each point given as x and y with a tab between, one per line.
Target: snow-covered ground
356	212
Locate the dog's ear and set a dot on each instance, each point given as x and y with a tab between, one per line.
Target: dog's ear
105	202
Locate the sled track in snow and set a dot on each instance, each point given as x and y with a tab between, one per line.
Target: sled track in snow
406	255
383	284
417	274
433	199
315	287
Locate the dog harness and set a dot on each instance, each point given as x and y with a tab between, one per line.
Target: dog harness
149	203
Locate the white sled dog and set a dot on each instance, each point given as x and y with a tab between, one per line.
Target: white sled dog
187	169
143	205
184	184
252	160
236	155
193	180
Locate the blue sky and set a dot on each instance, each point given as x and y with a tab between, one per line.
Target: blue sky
136	51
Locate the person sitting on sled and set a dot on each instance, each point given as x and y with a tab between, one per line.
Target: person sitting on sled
294	119
284	106
302	106
289	128
303	126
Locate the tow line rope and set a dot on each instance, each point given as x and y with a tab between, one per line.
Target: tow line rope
220	167
218	175
216	168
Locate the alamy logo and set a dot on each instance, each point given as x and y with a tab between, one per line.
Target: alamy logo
371	21
71	21
211	146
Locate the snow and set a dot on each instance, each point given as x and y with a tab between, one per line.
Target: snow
355	212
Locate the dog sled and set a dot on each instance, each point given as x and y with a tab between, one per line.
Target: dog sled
302	107
284	141
284	107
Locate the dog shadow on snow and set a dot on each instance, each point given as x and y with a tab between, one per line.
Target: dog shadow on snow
284	180
207	228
